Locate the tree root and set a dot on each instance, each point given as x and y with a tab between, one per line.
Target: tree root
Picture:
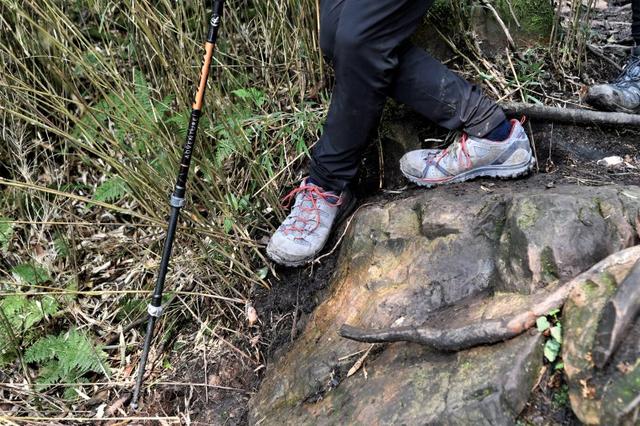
493	330
570	115
617	316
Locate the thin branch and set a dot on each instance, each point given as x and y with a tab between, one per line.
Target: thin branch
492	330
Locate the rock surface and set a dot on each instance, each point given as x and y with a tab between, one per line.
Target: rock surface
611	395
439	258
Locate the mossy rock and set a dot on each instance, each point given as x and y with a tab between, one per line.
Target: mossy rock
608	396
434	259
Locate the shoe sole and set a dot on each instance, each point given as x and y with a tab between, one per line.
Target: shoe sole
504	172
340	217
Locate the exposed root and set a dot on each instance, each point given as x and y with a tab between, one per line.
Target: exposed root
571	115
493	330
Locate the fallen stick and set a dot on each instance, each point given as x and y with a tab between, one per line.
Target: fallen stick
493	330
570	115
617	316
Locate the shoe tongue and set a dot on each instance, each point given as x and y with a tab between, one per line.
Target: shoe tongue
309	182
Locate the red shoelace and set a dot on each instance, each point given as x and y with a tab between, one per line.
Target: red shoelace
464	148
311	193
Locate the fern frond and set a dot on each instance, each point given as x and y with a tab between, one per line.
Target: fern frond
44	349
30	273
66	357
143	96
111	190
50	374
165	105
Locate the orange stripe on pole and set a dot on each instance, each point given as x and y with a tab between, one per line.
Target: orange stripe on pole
204	74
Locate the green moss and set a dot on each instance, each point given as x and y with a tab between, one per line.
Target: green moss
561	397
481	394
609	281
527	215
620	394
590	288
535	16
548	265
598	206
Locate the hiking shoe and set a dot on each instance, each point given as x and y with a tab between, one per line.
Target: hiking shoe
307	228
622	94
469	158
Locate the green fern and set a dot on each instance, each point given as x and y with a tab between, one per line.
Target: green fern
62	246
30	273
18	318
66	358
142	93
251	95
131	118
111	190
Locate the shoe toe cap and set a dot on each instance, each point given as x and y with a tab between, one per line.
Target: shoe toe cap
413	163
287	250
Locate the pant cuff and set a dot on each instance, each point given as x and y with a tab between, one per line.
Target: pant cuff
493	120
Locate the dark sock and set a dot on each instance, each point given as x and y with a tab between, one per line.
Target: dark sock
313	182
501	132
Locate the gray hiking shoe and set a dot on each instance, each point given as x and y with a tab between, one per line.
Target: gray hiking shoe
307	228
622	94
469	158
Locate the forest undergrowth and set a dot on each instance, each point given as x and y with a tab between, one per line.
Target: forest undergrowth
94	103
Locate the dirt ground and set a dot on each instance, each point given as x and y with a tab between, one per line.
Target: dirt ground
566	155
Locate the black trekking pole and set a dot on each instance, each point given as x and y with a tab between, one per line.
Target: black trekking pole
177	200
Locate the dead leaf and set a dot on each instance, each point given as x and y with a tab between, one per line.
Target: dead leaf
588	392
624	367
354	369
214	380
252	315
116	405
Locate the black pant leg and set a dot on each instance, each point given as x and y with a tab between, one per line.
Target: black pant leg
635	29
368	46
442	96
365	56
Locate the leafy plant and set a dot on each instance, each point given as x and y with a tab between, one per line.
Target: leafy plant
111	190
30	273
61	246
551	326
19	316
561	398
252	95
66	358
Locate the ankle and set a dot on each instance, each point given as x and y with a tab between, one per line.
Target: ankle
500	133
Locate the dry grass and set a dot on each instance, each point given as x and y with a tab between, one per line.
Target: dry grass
94	97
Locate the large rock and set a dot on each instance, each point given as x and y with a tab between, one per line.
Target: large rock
608	396
438	258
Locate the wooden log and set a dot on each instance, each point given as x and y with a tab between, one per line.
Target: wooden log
618	314
492	330
570	115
